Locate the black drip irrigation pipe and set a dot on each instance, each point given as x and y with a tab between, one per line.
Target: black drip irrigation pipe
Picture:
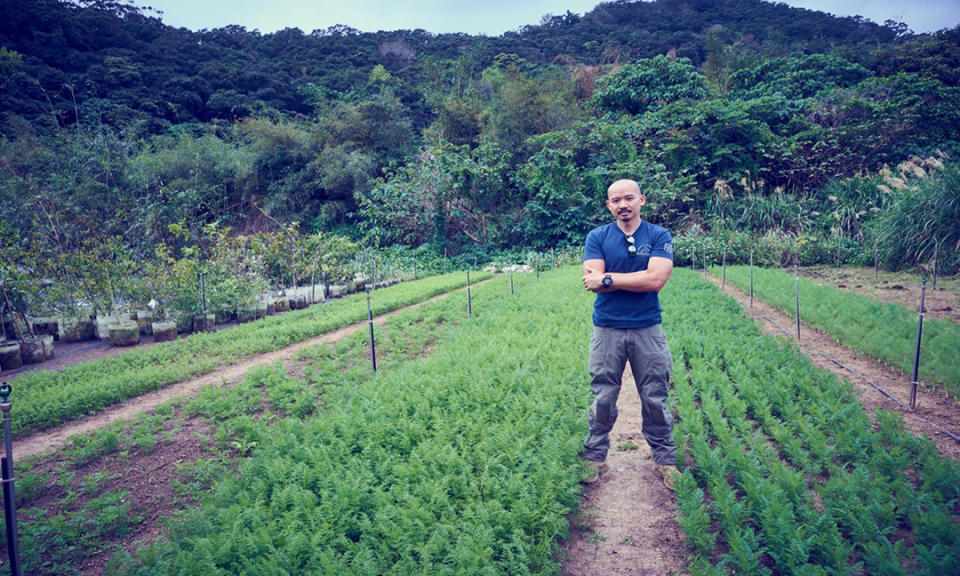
868	381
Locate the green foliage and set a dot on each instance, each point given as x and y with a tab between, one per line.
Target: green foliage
192	179
920	224
649	83
883	330
560	202
797	77
526	105
798	478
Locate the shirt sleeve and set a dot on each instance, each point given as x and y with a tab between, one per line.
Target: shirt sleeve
593	249
663	245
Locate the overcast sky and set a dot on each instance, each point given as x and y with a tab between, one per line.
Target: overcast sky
490	17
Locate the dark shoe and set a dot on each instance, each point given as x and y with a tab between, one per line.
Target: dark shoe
595	471
670	474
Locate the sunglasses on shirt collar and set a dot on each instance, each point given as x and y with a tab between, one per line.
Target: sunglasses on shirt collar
631	246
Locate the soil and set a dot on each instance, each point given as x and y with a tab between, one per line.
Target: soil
146	476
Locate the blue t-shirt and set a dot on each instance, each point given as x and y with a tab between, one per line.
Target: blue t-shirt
620	308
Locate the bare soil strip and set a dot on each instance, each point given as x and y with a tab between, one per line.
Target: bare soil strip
626	524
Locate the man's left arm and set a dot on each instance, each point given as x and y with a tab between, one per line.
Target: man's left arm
650	280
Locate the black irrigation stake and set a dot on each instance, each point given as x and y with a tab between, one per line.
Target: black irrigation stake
511	282
469	300
916	355
723	272
203	296
536	263
796	295
9	500
751	280
876	263
704	261
373	343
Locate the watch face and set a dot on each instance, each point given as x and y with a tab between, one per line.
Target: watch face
607	281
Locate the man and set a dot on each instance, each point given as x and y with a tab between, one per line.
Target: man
626	263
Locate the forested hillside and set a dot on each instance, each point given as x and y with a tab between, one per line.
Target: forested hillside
745	120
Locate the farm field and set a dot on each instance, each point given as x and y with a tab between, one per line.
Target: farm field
884	330
459	456
942	303
878	385
48	398
151	467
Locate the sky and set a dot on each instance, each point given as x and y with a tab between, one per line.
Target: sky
489	17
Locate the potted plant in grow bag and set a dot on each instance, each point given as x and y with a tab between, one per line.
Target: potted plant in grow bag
175	283
10	358
64	294
34	348
284	265
159	288
20	286
333	254
108	269
162	328
235	275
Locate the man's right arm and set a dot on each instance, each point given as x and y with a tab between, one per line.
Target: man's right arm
593	271
594	266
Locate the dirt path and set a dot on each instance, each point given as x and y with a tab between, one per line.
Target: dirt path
936	417
626	525
51	439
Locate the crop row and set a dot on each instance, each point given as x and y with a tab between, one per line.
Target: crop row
463	461
49	398
883	330
785	474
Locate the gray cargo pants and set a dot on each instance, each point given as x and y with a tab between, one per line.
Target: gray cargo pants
650	360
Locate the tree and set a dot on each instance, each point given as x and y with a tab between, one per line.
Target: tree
648	83
522	106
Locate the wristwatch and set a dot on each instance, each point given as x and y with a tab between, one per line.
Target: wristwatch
607	281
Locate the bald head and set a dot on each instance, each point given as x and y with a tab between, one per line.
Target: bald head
621	187
624	201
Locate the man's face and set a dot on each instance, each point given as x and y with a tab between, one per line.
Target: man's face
625	203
